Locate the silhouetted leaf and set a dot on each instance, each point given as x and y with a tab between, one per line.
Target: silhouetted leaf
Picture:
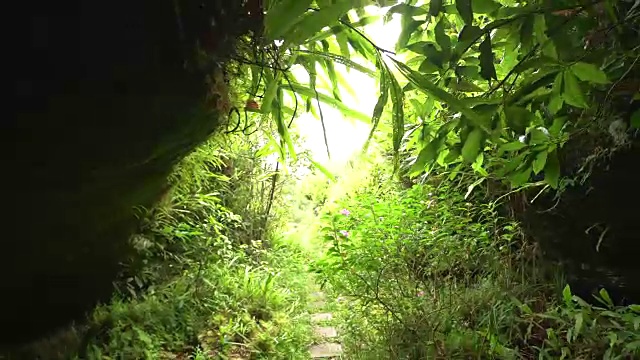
442	38
406	33
487	67
484	6
435	7
465	11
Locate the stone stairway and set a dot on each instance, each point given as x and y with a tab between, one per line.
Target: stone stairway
328	348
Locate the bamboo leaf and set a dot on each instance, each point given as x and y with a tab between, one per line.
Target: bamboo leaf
380	104
314	21
282	16
431	89
306	91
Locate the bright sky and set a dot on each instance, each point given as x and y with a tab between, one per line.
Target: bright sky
347	136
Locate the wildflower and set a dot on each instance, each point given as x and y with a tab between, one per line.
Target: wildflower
345	212
420	293
344	233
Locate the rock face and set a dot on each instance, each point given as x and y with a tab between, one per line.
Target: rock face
102	109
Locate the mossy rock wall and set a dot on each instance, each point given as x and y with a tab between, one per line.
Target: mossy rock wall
102	109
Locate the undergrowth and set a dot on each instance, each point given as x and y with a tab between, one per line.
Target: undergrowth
208	277
425	273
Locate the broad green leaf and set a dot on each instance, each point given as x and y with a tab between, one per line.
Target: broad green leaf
512	146
457	105
442	38
538	137
635	119
555	104
540	30
521	177
535	63
518	119
426	156
471	147
557	126
314	21
282	16
539	161
487	67
572	93
484	6
589	72
557	85
270	94
552	170
465	10
467	37
526	34
435	7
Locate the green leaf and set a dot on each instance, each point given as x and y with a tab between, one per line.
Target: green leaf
313	22
427	155
566	294
589	72
282	16
557	126
465	10
456	104
487	67
605	296
306	91
635	119
555	104
323	170
484	6
518	119
472	145
552	170
573	94
435	7
512	146
526	33
521	177
406	33
540	161
442	38
406	10
382	101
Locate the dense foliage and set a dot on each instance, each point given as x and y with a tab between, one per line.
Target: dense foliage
427	274
423	250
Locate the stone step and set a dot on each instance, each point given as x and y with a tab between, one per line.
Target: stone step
321	317
325	332
326	350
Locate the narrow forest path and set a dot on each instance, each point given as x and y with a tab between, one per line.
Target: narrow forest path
326	345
